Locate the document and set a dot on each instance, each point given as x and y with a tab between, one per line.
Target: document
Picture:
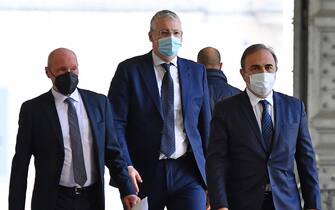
142	205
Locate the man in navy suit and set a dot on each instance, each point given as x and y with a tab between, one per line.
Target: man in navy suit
256	137
162	113
218	86
71	135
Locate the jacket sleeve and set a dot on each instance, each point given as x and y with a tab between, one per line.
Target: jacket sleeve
306	165
21	160
217	162
118	95
205	114
114	157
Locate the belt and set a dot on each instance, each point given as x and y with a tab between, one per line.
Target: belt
78	191
184	156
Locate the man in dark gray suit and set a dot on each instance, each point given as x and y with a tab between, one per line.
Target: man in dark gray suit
70	133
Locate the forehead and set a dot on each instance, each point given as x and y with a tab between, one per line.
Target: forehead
167	23
63	58
261	56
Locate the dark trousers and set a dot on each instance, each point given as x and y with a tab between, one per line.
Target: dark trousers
268	201
177	186
76	199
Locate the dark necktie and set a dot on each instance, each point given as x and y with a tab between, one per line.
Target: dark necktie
266	122
168	138
79	171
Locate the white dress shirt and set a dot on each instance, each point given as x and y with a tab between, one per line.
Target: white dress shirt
180	136
67	178
258	108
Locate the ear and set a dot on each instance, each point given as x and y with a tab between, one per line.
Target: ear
241	72
220	66
244	76
47	72
150	36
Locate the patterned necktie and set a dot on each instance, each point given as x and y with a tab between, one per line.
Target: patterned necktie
267	128
79	171
168	138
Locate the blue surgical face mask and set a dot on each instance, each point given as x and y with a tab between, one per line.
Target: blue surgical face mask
169	46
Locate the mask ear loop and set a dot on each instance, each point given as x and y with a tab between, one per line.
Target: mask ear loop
52	74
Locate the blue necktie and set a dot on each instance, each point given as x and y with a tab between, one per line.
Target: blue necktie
267	128
167	96
79	171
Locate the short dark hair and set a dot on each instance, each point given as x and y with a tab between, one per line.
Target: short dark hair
253	48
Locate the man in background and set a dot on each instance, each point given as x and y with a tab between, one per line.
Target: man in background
71	135
217	81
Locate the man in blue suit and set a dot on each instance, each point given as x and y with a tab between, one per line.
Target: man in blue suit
162	113
256	137
70	133
218	86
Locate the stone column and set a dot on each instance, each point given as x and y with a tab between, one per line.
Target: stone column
321	92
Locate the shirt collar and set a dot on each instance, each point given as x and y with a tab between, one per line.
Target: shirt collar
157	61
254	100
60	97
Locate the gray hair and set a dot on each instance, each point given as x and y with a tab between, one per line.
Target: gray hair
163	14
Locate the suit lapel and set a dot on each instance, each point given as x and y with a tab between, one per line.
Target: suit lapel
89	106
278	113
184	74
51	114
149	78
95	120
250	115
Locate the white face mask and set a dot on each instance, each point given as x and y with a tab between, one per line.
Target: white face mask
262	83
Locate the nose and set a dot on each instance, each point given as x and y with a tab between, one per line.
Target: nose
263	69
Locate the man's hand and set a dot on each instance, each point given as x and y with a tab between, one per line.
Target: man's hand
130	201
134	177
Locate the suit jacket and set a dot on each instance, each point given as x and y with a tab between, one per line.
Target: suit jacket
238	164
138	114
40	135
218	86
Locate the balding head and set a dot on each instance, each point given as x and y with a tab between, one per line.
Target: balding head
60	53
210	58
61	61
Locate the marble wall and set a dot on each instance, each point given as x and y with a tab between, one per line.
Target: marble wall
319	85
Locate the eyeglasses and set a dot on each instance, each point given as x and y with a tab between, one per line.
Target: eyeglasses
167	33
